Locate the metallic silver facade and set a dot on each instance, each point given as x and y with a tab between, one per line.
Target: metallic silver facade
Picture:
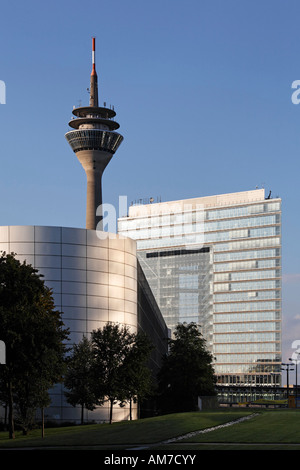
94	281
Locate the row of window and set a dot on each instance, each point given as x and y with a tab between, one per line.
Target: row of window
247	358
246	244
245	348
250	233
244	255
251	264
247	317
250	295
247	275
232	339
246	327
94	139
243	211
244	368
251	285
247	306
266	379
242	223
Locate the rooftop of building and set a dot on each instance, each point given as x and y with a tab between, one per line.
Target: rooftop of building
216	201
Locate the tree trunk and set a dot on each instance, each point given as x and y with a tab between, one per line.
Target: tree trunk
43	423
111	410
5	417
11	426
130	409
82	411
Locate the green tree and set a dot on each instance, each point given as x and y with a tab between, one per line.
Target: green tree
111	345
111	366
34	335
135	372
78	378
187	371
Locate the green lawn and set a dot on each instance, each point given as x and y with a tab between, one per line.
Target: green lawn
144	431
271	429
269	426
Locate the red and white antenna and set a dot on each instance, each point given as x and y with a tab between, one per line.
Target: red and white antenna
93	57
94	79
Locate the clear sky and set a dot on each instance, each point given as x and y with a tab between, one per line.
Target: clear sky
202	91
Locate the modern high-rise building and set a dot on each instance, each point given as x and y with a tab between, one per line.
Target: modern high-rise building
216	261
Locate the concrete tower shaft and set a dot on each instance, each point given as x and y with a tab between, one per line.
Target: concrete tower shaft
94	141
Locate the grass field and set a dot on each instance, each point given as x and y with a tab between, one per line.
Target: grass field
269	429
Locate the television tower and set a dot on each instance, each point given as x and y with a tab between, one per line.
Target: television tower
94	141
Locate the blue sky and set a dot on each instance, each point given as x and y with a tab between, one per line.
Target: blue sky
202	91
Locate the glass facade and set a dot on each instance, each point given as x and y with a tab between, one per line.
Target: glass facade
217	261
181	283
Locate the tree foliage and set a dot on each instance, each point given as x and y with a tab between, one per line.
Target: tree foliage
78	377
116	371
34	335
187	371
135	375
111	346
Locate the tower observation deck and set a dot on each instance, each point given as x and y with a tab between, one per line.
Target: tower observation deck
94	141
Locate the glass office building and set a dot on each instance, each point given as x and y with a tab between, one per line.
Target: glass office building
216	261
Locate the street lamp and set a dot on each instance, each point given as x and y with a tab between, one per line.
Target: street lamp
287	376
295	361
